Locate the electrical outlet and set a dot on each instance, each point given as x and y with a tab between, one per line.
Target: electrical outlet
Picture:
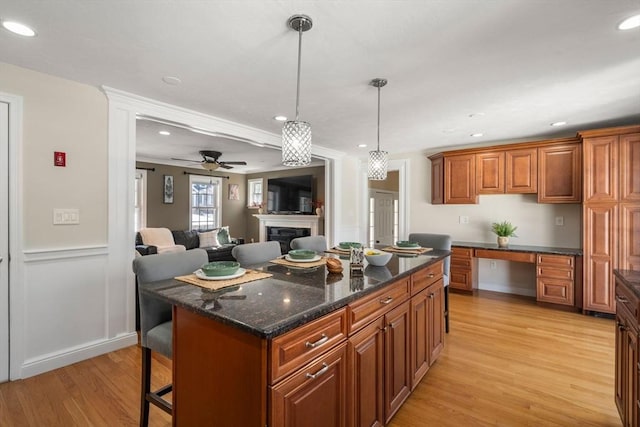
463	219
559	220
492	265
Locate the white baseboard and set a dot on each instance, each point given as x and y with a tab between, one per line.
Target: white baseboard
73	355
496	287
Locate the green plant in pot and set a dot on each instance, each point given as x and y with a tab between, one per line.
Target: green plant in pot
504	230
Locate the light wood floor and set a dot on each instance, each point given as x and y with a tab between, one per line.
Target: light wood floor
506	362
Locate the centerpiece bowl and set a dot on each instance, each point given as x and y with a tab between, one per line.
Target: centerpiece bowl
377	257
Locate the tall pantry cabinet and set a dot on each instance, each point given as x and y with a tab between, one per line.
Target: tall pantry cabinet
611	211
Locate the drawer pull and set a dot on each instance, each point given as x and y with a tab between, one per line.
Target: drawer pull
323	339
322	370
387	300
621	299
431	275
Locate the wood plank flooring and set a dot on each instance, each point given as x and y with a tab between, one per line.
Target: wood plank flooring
506	362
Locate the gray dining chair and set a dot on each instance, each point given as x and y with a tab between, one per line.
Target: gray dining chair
256	253
438	241
314	243
156	326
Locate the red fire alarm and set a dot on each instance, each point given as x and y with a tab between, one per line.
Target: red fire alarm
59	158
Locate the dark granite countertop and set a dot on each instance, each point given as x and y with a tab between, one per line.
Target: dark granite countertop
631	278
520	248
290	298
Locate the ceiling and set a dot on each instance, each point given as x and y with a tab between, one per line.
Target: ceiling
503	68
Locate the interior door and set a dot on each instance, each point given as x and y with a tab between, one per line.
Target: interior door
4	242
383	218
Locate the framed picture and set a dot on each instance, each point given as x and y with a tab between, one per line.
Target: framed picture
168	189
234	192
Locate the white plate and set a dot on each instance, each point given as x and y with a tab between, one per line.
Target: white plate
315	258
200	275
404	248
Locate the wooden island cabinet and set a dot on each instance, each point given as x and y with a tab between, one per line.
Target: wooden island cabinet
350	359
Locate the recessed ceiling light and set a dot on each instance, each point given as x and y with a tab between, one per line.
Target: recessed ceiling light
164	132
477	135
362	145
170	80
629	23
558	123
476	115
280	118
18	28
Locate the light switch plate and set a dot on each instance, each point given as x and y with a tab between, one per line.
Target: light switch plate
559	220
66	216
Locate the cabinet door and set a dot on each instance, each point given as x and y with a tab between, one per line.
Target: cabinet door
436	320
600	254
490	173
559	174
420	326
630	168
631	377
366	374
621	364
397	363
521	171
437	181
313	396
461	274
600	169
460	179
629	258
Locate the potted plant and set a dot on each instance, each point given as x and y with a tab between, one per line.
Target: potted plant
503	230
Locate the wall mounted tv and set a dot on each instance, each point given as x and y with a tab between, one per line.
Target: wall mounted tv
290	195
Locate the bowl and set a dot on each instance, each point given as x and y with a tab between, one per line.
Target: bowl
406	244
220	268
377	257
301	254
349	245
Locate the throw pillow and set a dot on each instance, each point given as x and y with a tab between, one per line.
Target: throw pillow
223	235
209	239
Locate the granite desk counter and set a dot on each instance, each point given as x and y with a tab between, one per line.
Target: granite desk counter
243	355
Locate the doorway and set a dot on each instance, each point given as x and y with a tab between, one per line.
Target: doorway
4	242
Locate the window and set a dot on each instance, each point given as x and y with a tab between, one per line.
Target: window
205	202
140	202
254	195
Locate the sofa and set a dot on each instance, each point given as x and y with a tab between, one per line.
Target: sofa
186	240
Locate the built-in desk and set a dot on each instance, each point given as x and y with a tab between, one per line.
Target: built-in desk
558	270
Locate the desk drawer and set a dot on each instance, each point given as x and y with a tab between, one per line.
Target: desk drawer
560	261
425	277
461	252
297	347
555	291
507	255
553	272
366	309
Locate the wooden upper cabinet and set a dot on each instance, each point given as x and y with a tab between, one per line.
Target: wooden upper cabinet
521	170
460	179
600	169
560	174
437	180
490	173
630	168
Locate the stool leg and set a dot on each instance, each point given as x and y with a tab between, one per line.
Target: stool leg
145	387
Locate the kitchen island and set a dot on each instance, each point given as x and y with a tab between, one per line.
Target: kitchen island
303	347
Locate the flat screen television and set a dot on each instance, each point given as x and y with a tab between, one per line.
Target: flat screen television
290	195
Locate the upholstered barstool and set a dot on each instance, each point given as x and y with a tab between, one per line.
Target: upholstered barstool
314	243
438	241
256	253
156	332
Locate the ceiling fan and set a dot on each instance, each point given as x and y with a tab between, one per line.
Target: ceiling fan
210	160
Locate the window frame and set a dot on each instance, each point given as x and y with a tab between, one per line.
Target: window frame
251	183
217	202
140	200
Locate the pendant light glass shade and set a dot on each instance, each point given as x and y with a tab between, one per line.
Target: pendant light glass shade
296	134
378	160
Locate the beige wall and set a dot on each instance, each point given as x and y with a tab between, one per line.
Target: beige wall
317	172
61	115
175	216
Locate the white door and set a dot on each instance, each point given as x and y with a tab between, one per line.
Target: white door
383	218
4	242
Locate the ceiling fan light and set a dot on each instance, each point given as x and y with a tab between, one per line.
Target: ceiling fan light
296	143
210	166
378	163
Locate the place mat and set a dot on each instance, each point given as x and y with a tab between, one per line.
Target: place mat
407	251
339	251
214	285
282	261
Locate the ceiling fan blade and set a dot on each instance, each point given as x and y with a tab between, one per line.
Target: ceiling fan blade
222	165
187	160
234	163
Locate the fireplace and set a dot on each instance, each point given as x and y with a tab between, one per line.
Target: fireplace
284	236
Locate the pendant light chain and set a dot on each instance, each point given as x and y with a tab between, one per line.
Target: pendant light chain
299	62
378	118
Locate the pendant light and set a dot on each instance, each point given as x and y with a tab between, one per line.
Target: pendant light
296	134
378	160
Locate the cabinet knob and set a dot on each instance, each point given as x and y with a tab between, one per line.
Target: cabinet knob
323	339
431	296
322	370
622	327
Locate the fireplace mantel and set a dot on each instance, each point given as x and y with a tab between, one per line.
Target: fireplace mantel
294	221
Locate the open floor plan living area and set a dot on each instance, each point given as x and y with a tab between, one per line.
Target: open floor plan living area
320	214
